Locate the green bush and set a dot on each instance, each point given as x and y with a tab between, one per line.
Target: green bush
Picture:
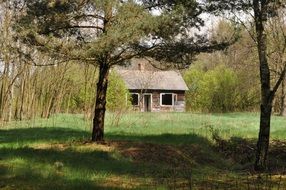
117	93
216	90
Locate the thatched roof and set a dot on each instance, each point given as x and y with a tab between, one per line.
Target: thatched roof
153	80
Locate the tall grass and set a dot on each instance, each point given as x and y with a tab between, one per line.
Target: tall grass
245	125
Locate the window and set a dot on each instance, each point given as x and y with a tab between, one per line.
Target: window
166	99
135	99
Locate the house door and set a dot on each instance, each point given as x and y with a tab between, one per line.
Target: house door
147	102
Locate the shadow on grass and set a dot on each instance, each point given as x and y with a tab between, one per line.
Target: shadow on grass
29	135
56	134
136	157
23	137
30	179
81	162
92	160
173	139
79	165
156	160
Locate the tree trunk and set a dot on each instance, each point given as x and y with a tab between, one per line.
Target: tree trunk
282	99
58	102
50	107
68	103
99	113
31	106
23	85
2	98
260	14
263	138
11	99
4	87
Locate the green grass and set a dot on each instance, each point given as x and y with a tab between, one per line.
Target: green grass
143	151
229	125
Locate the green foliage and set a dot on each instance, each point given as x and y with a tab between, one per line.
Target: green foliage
215	90
81	92
64	27
80	88
117	93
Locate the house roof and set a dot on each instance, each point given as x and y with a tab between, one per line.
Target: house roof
153	80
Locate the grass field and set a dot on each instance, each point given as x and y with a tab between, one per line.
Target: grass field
142	151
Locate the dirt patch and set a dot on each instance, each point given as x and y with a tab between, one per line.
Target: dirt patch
58	146
154	154
242	151
175	156
277	156
78	145
239	150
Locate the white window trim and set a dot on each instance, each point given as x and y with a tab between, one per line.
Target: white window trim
175	98
138	99
151	96
173	95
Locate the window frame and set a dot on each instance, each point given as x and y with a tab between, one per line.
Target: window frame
138	100
173	101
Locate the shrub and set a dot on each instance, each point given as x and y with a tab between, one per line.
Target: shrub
117	93
216	90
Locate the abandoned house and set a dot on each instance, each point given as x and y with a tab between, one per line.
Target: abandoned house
152	89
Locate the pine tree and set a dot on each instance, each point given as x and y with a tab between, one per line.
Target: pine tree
110	32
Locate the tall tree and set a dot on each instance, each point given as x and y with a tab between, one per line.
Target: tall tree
111	32
102	32
276	31
260	11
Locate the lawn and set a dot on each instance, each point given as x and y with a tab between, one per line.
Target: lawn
142	151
